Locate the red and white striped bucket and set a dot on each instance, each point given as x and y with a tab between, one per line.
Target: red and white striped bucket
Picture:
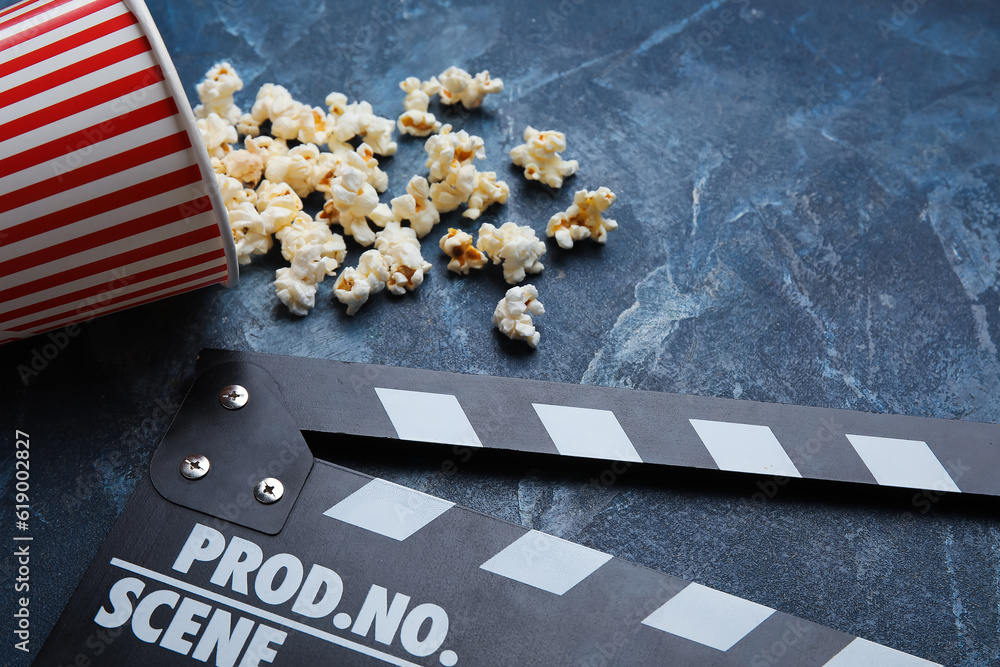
107	195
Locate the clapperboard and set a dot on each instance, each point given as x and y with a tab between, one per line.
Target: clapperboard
318	564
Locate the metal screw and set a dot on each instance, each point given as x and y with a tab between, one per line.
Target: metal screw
268	490
234	397
195	466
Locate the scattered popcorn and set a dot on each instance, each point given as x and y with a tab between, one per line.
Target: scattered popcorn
539	155
448	151
216	93
457	85
464	256
296	284
354	286
242	165
401	250
305	232
486	190
278	205
583	219
297	168
517	247
513	314
417	121
218	135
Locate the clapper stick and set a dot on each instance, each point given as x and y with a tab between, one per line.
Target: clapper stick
636	426
348	569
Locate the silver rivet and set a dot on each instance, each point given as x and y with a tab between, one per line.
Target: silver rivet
234	397
195	466
268	490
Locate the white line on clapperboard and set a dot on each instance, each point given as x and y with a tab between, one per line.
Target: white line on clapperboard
274	618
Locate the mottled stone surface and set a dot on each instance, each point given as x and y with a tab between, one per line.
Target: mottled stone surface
809	201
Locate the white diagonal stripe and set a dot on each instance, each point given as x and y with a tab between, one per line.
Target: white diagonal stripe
863	653
906	463
744	448
707	616
586	432
388	509
425	417
546	562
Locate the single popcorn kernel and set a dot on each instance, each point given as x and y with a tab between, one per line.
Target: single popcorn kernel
517	247
417	121
296	284
401	250
305	232
486	190
448	152
464	255
539	155
242	165
218	135
354	286
216	93
513	314
584	219
297	168
457	85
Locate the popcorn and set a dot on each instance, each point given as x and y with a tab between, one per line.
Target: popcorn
539	155
364	159
517	247
416	207
242	165
486	190
401	250
266	147
278	205
297	168
272	103
455	190
349	200
359	119
233	192
583	219
304	232
218	135
354	286
216	93
457	85
314	252
464	256
249	232
448	151
296	284
513	314
416	120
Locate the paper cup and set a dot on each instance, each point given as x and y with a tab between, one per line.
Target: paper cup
107	195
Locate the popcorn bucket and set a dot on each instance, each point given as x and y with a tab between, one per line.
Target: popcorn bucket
107	195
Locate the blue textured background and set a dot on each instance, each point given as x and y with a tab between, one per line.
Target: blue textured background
809	201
